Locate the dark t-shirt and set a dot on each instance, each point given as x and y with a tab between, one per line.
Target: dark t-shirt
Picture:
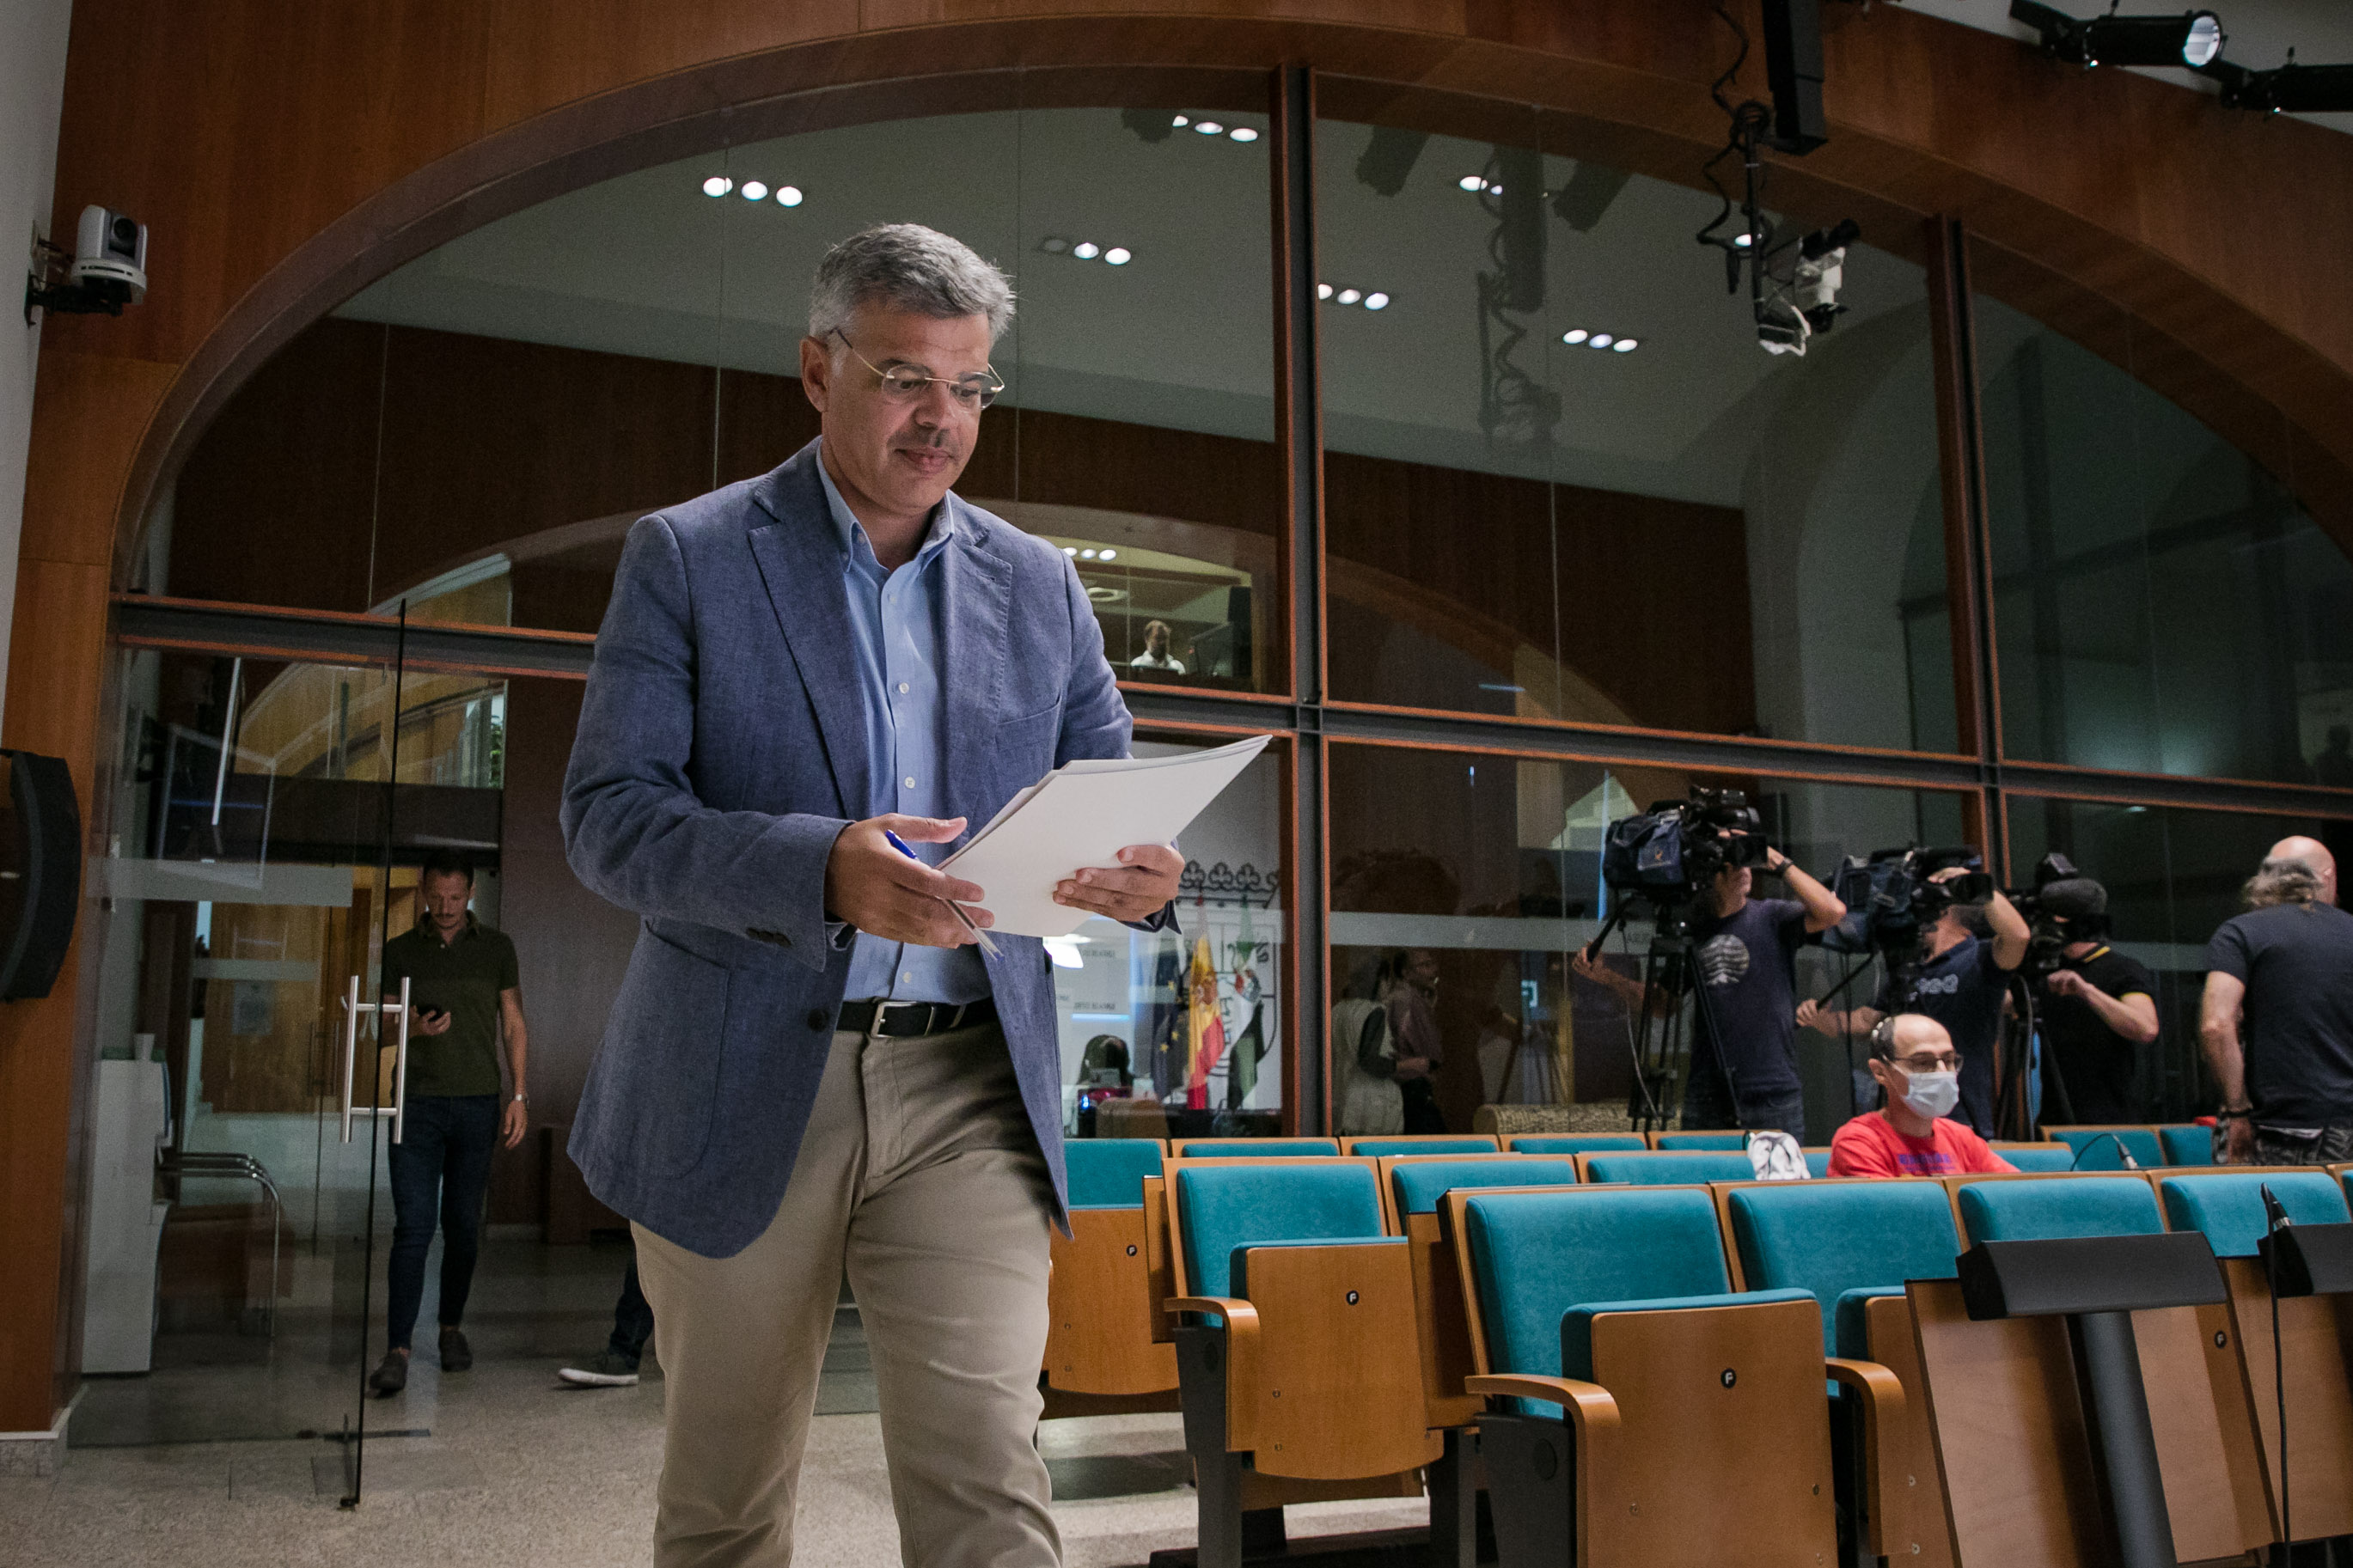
463	978
2096	1062
2296	961
1746	979
1961	988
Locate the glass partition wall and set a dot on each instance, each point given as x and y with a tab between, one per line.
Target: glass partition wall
1584	543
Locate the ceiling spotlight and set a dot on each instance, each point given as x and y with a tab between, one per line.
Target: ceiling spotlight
1087	554
1086	250
2193	39
1473	182
2305	90
1053	245
1573	336
1744	240
1180	122
1070	550
1600	341
1322	290
1348	295
1376	302
1625	345
753	191
1243	133
1107	555
717	185
1208	128
1118	255
788	195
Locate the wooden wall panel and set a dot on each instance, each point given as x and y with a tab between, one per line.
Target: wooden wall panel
89	413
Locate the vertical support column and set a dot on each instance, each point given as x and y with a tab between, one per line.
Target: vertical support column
1299	431
1968	554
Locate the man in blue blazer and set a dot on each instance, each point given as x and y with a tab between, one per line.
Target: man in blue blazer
810	1069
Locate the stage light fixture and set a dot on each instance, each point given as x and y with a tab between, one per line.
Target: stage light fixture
1588	194
1149	125
2191	38
2291	89
717	185
1389	157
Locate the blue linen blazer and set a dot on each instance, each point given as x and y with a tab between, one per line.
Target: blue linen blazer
721	749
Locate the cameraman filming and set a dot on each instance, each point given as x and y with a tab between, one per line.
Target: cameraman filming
1960	980
2099	1009
1743	1058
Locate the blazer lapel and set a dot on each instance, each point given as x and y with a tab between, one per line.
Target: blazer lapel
976	627
800	565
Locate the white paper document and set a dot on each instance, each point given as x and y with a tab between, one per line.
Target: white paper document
1084	814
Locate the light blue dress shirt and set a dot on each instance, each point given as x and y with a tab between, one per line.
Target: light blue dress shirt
894	619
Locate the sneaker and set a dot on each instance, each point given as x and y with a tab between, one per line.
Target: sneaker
456	1355
391	1376
610	1369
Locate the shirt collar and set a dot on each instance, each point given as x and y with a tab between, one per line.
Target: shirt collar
852	534
424	924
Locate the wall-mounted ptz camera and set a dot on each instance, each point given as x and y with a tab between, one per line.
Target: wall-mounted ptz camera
107	271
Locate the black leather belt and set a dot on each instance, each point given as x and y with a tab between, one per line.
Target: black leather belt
904	1019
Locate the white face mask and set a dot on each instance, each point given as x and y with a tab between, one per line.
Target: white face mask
1932	1094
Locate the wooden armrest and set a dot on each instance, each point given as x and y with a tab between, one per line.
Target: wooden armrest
1591	1407
1225	1307
1883	1394
1885	1431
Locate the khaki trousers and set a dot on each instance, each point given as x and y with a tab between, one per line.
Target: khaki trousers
920	1176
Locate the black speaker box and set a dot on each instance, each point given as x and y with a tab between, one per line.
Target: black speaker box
40	874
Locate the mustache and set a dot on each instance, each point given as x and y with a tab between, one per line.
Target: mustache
934	440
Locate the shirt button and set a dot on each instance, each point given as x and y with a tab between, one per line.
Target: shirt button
903	689
910	781
907	976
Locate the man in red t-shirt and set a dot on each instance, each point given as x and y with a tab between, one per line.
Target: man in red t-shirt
1913	1059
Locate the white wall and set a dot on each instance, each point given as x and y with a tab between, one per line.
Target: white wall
32	91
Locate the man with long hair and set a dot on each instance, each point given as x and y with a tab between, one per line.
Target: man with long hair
2277	1020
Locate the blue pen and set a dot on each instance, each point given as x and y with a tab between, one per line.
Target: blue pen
979	935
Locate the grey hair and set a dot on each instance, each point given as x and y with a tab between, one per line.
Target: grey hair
2282	882
910	267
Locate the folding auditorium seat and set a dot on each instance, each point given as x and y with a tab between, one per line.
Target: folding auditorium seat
1719	1141
1853	1244
2097	1148
2022	1476
1578	1142
1641	1413
1298	1352
1818	1162
1101	1354
2187	1143
2315	1334
1251	1148
1425	1143
1665	1167
2043	1158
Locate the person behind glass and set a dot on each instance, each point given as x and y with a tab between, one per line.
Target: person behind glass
806	685
1744	974
1960	979
464	994
2277	1018
1918	1072
1156	655
616	1366
2098	1011
1410	992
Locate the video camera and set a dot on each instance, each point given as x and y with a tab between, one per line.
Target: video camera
1891	895
2063	907
1669	852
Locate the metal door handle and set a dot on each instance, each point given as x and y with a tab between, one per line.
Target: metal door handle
399	1110
400	1068
350	1048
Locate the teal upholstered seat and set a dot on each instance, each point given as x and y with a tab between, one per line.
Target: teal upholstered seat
2041	1211
1417	1187
2096	1147
1577	1142
1734	1140
2230	1208
1108	1173
1220	1209
1842	1237
1373	1148
1818	1162
1661	1167
1257	1148
2044	1157
2187	1144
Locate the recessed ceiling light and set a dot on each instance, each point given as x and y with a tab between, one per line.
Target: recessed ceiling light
1243	133
1180	122
1070	550
1209	127
1322	290
1348	295
755	191
1087	554
1086	250
1118	255
717	185
1573	336
1108	556
1472	183
1053	245
1626	345
788	195
1600	341
1376	302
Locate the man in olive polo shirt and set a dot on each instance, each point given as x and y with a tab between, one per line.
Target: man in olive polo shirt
463	985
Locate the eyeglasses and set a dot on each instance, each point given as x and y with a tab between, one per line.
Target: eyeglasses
1929	1064
975	389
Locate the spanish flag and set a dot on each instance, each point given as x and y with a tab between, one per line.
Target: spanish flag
1205	1027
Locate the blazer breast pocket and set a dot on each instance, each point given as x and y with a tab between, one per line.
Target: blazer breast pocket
1028	736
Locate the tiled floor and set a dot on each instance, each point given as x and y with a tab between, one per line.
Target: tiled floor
198	1465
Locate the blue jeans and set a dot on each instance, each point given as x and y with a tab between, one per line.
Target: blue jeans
633	1319
443	1161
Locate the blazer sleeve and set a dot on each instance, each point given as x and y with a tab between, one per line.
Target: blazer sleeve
1095	721
634	830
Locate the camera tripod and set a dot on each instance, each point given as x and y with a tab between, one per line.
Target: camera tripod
1660	1043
